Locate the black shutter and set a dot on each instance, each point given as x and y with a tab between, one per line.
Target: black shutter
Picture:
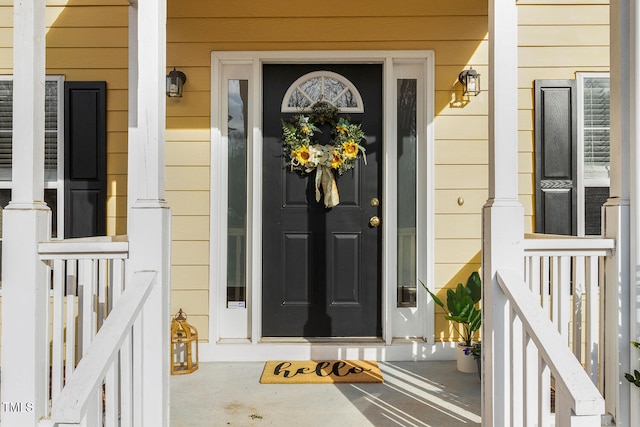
555	156
85	174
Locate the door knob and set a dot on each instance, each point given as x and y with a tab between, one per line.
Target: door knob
374	221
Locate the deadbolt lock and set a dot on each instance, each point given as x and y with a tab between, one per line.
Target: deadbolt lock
374	202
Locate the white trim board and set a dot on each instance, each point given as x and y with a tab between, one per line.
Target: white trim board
250	346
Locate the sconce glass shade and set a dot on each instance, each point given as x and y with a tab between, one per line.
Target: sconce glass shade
175	82
470	81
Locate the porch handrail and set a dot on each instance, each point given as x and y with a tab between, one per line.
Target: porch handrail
535	243
104	247
577	398
73	402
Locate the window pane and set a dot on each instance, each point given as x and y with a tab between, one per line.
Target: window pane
298	100
594	198
51	199
6	126
51	129
312	88
407	198
237	194
596	127
332	88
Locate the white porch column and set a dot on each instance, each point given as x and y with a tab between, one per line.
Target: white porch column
617	211
25	223
503	215
634	214
149	220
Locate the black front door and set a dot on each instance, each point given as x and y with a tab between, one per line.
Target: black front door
321	266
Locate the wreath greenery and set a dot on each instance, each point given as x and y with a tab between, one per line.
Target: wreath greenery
305	154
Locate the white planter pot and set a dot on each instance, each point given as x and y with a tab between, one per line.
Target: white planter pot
465	363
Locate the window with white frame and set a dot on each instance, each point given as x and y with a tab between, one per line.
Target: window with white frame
53	170
593	151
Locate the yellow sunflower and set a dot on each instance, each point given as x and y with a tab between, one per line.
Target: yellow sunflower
305	129
336	160
341	129
301	155
350	149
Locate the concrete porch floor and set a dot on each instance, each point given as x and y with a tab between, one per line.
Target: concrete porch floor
413	394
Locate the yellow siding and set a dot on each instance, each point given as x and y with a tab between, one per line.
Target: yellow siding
196	28
87	40
446	201
190	278
557	39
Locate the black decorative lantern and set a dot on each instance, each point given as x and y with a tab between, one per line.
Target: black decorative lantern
184	345
470	81
175	82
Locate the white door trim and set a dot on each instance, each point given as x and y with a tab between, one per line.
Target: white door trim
387	349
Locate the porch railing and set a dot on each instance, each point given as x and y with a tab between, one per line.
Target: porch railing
564	275
539	359
93	321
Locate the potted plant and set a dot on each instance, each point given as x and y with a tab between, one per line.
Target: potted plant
461	309
476	351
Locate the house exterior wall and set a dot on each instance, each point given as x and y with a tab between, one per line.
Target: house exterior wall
556	40
87	40
196	28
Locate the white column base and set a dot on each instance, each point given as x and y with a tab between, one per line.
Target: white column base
150	250
25	322
503	235
616	319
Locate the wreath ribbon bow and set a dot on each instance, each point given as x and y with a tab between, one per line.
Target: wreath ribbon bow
326	180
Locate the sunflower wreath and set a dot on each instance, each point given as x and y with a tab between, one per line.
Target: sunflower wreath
306	155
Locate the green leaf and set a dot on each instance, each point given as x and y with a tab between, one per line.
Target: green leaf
475	320
474	285
456	319
455	300
435	298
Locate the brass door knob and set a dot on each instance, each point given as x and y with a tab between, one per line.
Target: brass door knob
374	221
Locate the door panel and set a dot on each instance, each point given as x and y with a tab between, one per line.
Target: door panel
321	267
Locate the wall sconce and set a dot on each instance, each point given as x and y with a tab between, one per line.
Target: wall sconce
175	81
470	81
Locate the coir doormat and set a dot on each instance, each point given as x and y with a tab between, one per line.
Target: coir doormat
321	372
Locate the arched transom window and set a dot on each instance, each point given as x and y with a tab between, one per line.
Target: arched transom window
322	86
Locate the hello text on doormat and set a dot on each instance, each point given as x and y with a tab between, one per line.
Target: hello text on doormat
321	372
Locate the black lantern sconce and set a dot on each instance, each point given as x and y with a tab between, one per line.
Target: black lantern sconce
175	82
470	81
